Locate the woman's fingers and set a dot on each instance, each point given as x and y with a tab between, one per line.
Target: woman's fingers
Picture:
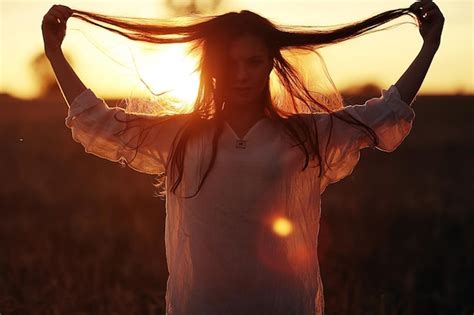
430	20
424	8
52	14
65	12
416	7
54	27
61	12
50	19
429	6
56	16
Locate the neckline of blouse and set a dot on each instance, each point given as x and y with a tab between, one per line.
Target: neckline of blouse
249	132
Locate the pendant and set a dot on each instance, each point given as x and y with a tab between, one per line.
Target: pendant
241	144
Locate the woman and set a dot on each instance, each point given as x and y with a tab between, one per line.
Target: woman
244	171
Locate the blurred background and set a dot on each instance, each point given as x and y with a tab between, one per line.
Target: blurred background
81	235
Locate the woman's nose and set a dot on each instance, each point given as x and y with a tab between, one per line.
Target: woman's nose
242	72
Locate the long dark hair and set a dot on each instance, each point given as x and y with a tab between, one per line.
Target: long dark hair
210	36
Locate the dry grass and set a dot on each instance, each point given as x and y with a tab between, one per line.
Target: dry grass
79	235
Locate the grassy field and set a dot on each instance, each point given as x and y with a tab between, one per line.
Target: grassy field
80	235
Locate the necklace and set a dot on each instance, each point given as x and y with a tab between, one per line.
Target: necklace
240	144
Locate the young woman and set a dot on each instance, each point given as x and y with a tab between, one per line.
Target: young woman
244	170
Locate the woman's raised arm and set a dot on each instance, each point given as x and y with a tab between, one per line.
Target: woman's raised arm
68	81
142	141
431	22
54	31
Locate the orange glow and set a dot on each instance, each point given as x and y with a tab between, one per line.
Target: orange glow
282	226
171	69
302	256
352	63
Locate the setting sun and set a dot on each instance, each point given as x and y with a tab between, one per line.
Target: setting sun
170	69
447	74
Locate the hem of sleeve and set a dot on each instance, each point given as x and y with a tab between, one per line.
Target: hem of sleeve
346	165
82	102
405	116
393	92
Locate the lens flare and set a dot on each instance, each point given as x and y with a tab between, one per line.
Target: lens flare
282	226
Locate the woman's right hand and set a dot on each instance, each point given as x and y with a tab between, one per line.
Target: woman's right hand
54	27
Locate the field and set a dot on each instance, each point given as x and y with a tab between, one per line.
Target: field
80	235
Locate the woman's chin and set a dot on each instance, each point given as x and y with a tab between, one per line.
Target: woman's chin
242	99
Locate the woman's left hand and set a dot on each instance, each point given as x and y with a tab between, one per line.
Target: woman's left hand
430	19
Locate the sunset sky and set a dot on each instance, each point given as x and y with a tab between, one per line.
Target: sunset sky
105	66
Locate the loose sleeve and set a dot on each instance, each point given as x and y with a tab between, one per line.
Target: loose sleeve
390	118
141	141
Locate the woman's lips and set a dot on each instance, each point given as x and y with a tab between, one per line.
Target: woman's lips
243	90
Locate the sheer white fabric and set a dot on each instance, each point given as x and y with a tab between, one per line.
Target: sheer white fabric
247	242
101	130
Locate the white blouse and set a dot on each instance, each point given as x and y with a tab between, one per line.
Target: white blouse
247	242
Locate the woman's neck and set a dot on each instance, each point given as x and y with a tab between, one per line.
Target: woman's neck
243	114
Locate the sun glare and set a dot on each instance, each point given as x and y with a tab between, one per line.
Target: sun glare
170	69
282	226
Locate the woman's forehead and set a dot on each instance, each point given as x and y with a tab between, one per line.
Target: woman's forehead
247	46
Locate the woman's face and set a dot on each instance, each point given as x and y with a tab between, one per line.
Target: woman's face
248	70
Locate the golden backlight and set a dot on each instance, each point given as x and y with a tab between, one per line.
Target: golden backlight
171	69
353	63
282	226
